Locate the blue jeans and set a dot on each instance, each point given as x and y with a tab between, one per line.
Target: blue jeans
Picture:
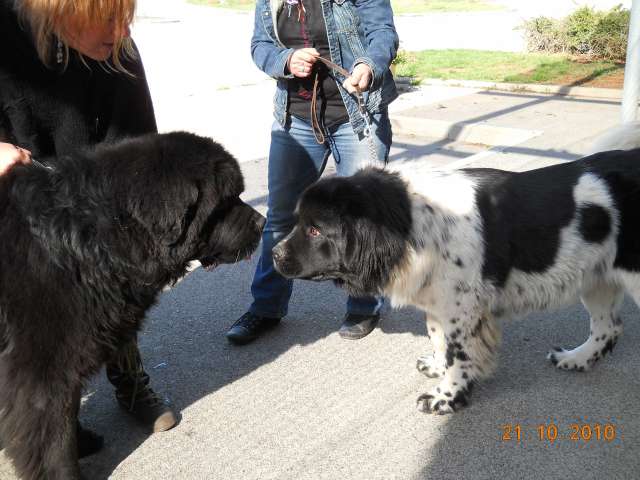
296	161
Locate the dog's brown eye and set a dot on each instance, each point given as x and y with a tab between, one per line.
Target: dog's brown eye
313	232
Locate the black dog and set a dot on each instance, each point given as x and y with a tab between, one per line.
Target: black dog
473	246
84	251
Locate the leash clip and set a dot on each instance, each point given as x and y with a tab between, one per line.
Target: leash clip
365	114
41	165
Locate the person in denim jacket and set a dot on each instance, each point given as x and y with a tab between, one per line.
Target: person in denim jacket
318	113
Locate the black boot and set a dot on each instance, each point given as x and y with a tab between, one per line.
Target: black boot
133	392
249	327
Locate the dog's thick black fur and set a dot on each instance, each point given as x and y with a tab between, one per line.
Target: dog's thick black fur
84	251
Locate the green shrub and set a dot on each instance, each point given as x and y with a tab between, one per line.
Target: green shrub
401	57
586	32
545	34
609	40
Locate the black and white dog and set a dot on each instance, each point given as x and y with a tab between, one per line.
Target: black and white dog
472	246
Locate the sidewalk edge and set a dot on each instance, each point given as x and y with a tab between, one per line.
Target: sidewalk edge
566	90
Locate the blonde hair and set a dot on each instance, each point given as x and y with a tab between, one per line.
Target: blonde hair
49	20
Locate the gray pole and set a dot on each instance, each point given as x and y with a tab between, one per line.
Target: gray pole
631	90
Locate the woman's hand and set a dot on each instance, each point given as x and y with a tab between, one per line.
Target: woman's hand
360	79
10	155
301	62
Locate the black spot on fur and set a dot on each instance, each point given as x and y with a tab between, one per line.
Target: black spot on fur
455	351
459	263
462	397
461	355
609	346
522	216
449	355
595	223
619	170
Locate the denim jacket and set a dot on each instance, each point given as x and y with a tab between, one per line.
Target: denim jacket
359	31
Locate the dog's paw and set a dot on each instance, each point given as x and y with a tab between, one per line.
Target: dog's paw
428	367
442	402
570	359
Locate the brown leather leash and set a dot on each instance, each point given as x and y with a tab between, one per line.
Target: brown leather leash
315	122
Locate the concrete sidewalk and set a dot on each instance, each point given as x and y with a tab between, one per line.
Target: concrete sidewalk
301	403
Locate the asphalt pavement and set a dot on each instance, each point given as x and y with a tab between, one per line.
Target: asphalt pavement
302	403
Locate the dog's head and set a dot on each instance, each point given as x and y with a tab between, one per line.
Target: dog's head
181	192
351	230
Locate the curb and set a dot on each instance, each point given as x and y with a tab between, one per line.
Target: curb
565	90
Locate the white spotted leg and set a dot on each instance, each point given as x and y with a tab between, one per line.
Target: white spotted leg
603	304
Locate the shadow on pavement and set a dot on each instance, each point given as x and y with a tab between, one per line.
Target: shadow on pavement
188	357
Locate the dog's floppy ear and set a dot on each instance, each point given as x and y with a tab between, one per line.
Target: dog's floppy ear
165	208
228	178
376	219
371	251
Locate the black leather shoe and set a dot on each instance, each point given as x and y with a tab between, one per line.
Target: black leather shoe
249	327
355	327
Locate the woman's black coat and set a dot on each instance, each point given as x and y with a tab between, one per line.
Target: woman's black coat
53	112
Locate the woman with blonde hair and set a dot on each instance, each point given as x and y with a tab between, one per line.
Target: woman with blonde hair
71	77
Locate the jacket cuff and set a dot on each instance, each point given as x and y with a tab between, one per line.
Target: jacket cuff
281	66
